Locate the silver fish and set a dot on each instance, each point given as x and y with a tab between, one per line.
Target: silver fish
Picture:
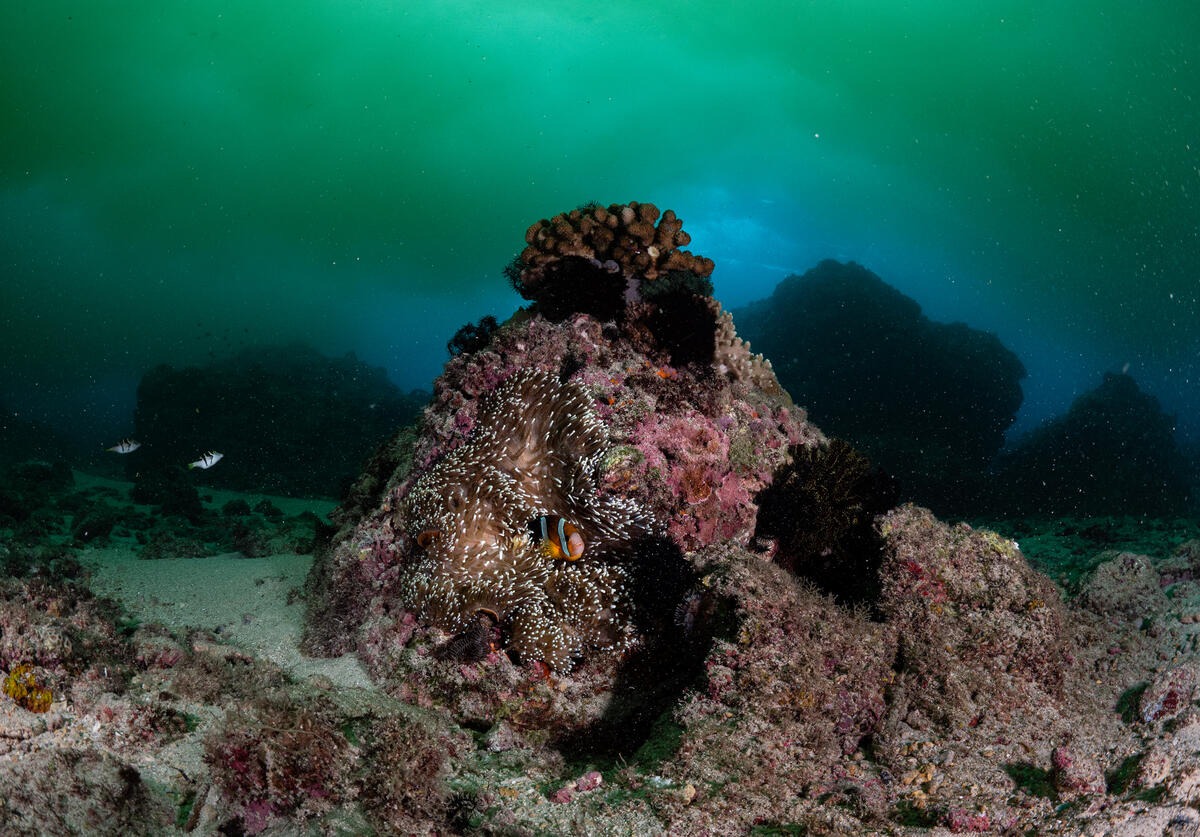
125	446
207	461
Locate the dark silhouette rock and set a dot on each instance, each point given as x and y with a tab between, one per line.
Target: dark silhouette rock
472	337
1113	453
95	524
168	488
287	419
26	487
928	402
236	508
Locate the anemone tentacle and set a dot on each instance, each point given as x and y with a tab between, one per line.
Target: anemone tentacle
536	450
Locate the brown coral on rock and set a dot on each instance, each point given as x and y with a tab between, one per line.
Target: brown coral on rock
536	450
623	234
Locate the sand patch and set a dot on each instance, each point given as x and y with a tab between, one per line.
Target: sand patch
243	600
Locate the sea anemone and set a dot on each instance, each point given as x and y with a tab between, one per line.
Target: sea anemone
536	450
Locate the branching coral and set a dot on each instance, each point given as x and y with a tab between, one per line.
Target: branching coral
732	357
536	449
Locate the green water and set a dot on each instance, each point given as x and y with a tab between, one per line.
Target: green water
179	177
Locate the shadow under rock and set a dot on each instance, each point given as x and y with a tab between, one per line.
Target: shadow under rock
650	681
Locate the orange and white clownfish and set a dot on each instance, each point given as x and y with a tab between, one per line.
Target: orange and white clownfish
559	539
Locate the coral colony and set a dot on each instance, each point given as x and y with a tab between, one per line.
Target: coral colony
622	238
624	432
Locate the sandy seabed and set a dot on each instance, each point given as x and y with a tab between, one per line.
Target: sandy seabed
245	601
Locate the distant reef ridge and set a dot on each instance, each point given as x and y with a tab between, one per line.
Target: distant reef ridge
288	419
23	439
928	402
1113	452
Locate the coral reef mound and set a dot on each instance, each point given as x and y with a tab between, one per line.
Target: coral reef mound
648	446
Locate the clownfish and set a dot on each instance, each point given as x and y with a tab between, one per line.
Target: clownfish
559	539
427	537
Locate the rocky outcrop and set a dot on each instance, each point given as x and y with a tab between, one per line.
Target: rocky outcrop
928	402
1113	453
287	419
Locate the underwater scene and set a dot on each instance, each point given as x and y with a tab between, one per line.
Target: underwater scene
463	418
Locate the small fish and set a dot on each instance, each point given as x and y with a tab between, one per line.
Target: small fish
559	539
207	461
125	446
427	537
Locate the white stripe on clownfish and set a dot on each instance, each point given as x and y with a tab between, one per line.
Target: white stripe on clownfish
559	539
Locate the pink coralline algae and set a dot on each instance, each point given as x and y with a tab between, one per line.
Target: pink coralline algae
1074	774
1170	693
707	472
962	821
588	781
634	445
